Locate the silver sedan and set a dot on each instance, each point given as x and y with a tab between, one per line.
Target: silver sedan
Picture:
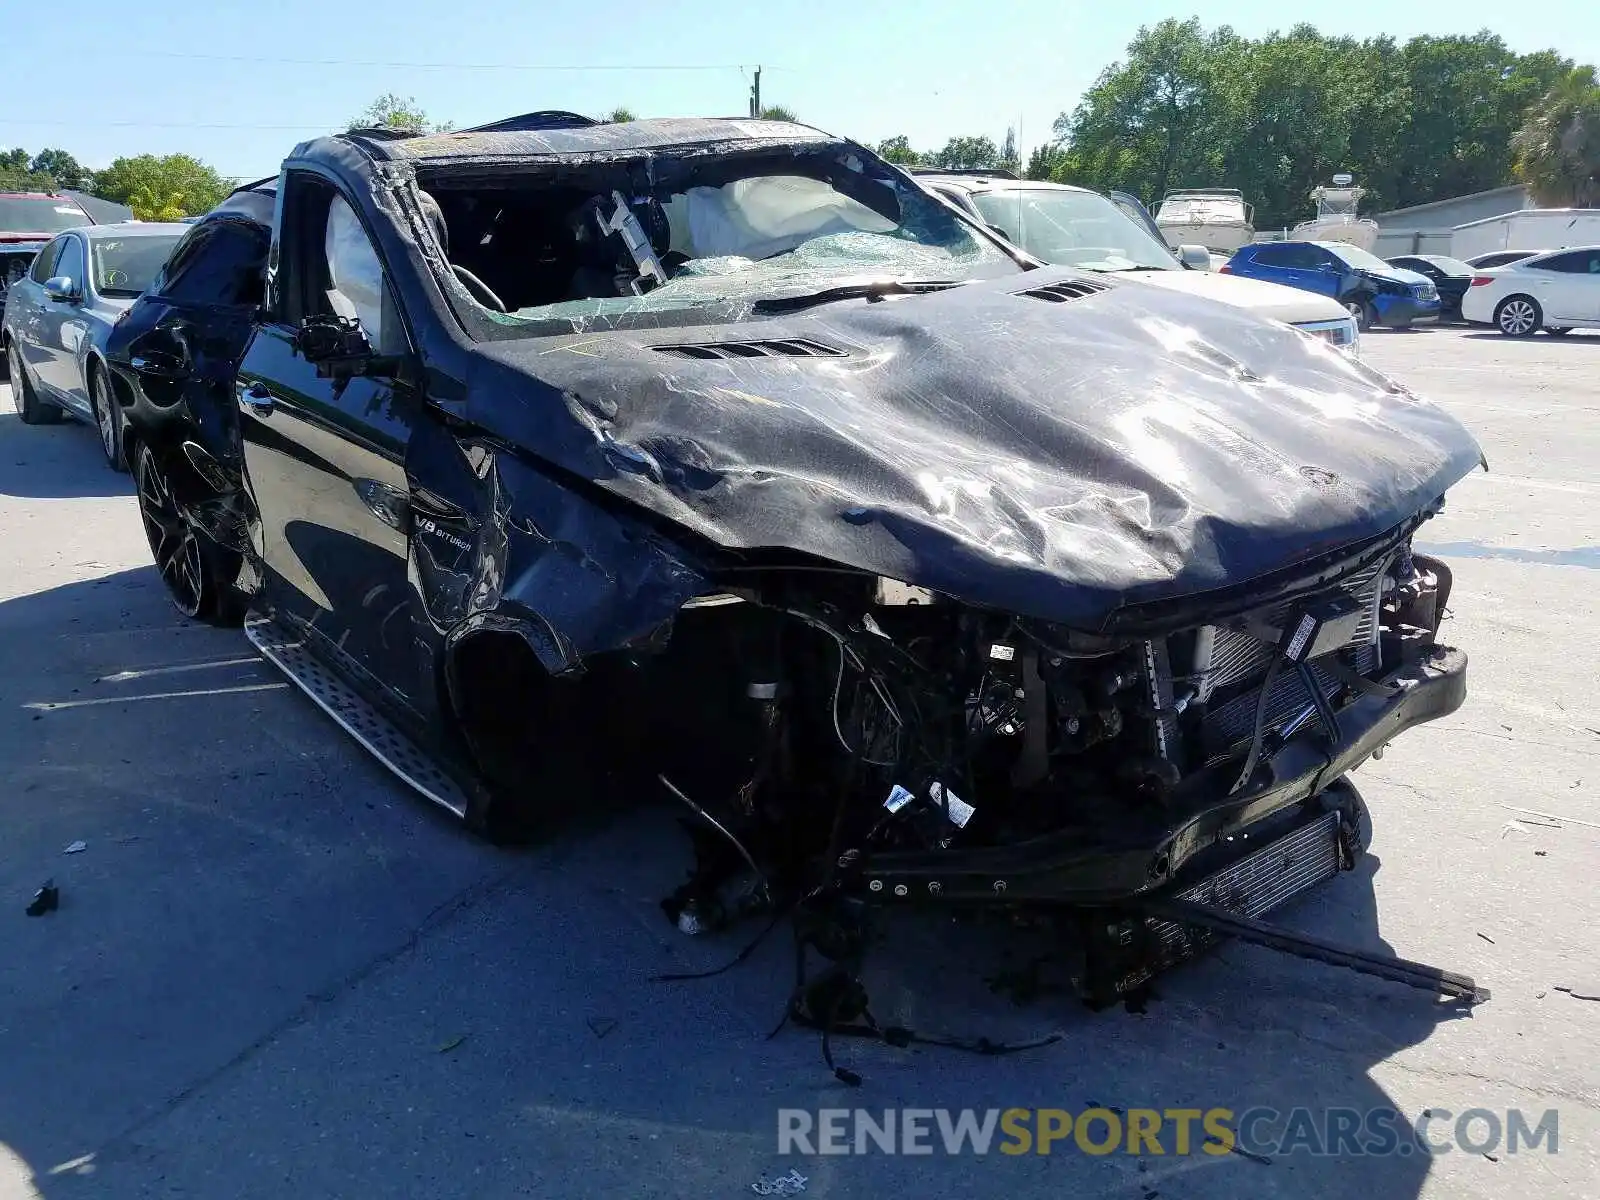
57	318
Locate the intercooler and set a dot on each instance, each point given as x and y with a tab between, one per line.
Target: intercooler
1259	882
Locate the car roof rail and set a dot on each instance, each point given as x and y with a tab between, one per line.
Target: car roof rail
995	173
549	118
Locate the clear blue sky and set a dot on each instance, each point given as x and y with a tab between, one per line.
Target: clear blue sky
212	79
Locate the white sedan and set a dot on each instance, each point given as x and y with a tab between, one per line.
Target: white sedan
1558	292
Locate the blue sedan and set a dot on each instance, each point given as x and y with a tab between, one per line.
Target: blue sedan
58	315
1370	289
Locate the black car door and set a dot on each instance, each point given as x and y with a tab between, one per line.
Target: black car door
324	452
182	340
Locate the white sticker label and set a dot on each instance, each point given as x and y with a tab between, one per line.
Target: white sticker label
1003	653
899	797
1301	636
960	811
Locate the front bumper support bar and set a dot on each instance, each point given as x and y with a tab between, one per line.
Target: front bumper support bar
1220	922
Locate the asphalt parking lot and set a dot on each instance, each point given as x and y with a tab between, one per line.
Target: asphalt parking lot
276	973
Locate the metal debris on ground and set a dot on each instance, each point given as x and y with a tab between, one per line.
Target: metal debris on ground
600	1026
46	899
1487	938
1251	1155
791	1184
76	848
446	1047
1556	817
1581	991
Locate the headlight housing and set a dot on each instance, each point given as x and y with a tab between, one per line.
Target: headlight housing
1339	331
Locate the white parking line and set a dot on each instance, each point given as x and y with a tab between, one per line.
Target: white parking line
124	676
1571	487
52	705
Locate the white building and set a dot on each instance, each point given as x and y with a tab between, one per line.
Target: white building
1428	228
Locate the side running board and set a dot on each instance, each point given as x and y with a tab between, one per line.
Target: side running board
360	719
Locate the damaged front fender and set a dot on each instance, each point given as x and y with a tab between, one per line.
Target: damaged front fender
499	545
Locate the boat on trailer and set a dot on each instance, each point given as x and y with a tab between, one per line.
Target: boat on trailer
1216	218
1336	219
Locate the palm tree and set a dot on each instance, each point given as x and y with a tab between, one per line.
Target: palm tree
1557	150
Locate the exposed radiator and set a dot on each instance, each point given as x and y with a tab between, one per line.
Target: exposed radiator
1229	725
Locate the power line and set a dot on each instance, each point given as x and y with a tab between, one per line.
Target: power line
158	125
433	66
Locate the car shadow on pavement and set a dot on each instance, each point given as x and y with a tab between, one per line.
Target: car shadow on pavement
54	461
274	971
1576	337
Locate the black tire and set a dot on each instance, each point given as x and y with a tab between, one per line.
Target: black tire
1366	316
1518	316
197	573
107	419
30	408
1559	330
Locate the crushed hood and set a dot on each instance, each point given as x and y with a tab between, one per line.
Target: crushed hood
1059	459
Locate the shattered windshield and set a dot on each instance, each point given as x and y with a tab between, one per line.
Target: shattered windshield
1073	229
705	246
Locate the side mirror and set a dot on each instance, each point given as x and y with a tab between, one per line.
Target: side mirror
338	346
1196	258
325	339
61	287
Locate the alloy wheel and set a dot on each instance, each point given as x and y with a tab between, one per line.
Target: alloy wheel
173	541
104	415
14	361
1517	317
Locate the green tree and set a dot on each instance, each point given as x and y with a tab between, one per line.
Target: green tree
1049	162
16	174
898	150
971	153
1276	116
1008	159
1161	118
394	111
173	184
777	112
1558	147
64	169
618	116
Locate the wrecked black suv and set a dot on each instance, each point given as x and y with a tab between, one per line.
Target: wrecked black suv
716	461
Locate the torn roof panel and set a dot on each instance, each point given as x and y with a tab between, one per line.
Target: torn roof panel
628	137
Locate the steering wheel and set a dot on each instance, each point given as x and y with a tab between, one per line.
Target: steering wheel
480	290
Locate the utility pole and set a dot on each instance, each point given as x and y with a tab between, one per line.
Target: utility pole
755	95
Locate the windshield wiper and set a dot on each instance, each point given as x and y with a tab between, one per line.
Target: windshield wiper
876	290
